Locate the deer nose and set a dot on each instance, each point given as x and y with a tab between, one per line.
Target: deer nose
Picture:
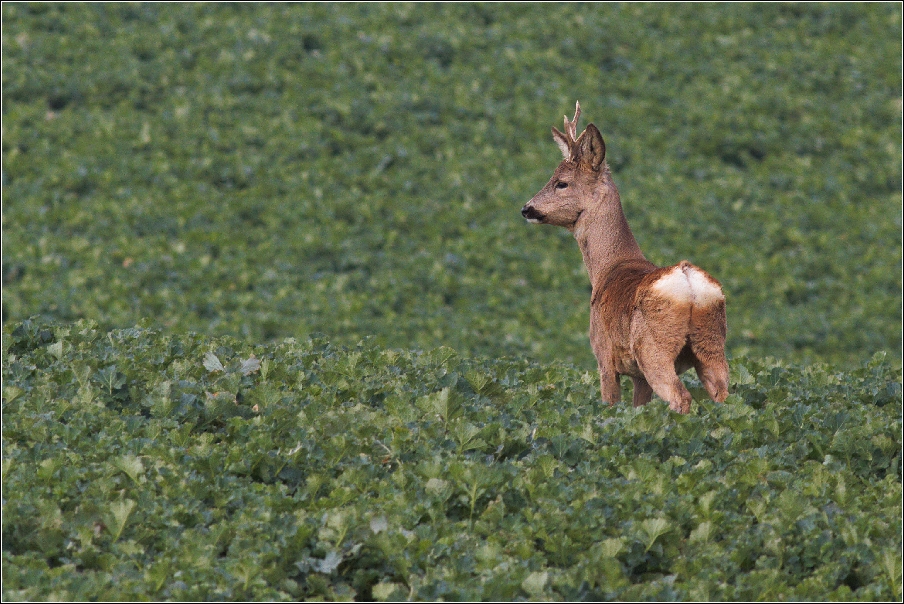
531	213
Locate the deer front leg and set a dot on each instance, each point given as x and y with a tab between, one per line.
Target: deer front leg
642	392
610	385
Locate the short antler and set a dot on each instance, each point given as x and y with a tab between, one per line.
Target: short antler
571	127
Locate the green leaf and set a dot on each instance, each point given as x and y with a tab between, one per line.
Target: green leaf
441	404
159	573
110	378
612	546
212	363
702	533
131	466
11	393
439	488
118	517
535	583
250	365
388	591
329	563
56	349
465	436
654	528
891	564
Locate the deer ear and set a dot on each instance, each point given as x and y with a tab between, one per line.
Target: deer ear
562	142
590	149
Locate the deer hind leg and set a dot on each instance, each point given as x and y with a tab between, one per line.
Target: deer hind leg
707	340
715	379
659	334
659	371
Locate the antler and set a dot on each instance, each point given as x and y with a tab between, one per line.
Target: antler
571	127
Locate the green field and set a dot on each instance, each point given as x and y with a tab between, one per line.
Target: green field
358	170
143	466
336	189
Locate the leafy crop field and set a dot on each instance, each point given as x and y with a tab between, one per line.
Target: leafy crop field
141	465
274	328
277	171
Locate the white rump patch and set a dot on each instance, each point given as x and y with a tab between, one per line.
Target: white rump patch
675	285
688	285
705	291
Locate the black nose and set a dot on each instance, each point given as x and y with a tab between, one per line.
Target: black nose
531	213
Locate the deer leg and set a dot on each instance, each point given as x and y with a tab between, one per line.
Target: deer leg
707	340
610	386
714	375
659	333
610	382
642	392
664	381
658	368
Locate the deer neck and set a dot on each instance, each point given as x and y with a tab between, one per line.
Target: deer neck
603	234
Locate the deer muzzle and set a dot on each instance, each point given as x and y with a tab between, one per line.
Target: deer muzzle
531	214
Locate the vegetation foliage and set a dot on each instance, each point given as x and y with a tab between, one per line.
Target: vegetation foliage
358	170
141	465
274	328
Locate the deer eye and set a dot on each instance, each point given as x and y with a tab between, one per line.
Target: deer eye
561	185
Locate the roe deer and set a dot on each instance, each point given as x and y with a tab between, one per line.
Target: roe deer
647	322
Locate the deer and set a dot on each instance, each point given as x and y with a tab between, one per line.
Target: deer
648	322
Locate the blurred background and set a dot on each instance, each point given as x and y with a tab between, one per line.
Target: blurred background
272	171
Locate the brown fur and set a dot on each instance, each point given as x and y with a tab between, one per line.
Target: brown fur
646	322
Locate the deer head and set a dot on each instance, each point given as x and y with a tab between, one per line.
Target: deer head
565	197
